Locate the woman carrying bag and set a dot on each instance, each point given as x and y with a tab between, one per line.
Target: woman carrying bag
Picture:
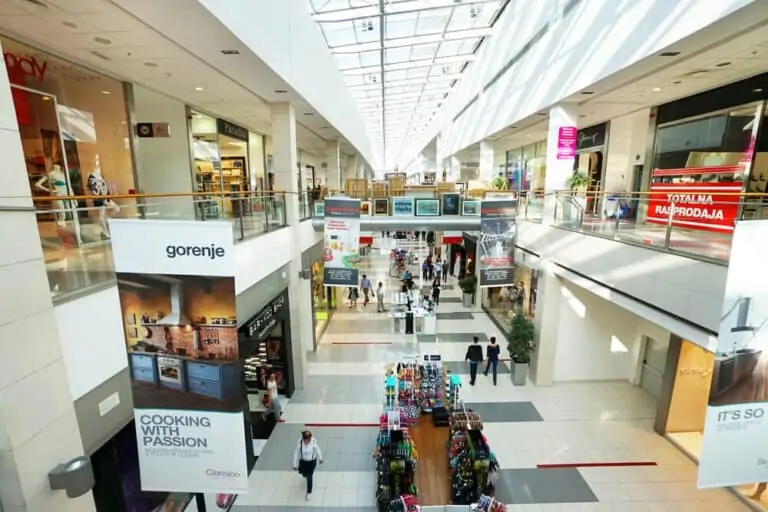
305	458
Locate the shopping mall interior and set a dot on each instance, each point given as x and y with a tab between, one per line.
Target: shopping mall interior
246	271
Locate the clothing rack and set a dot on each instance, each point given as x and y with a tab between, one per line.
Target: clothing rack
473	467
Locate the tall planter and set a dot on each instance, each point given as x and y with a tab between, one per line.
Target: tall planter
468	287
520	346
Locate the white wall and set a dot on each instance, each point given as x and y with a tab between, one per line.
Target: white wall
596	40
626	148
163	165
92	340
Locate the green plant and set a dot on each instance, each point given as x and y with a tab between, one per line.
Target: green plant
468	284
579	180
520	339
499	183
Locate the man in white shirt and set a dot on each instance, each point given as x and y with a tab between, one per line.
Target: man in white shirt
365	284
438	270
380	298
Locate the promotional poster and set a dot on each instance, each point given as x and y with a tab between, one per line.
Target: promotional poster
176	284
341	255
498	229
734	450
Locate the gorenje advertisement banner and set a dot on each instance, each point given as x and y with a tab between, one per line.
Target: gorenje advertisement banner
498	229
342	238
177	297
733	450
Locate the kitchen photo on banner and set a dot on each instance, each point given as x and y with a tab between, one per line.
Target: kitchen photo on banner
734	448
176	284
498	231
341	255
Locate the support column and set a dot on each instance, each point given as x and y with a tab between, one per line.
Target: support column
333	160
351	168
486	172
548	300
38	426
285	161
561	155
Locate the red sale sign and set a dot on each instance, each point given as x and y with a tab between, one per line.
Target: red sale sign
700	206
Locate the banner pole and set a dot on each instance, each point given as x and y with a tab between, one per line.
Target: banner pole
200	501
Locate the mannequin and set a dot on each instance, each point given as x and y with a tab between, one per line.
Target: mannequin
55	183
99	187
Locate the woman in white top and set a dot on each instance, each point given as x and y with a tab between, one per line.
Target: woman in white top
305	458
272	403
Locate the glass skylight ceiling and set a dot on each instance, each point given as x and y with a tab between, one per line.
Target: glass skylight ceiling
401	58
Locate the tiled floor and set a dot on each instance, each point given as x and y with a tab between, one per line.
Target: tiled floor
525	426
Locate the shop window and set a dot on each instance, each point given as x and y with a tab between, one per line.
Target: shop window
74	134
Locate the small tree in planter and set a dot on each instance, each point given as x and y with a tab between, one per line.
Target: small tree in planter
579	182
468	286
520	346
499	183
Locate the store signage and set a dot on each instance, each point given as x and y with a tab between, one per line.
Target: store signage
153	130
699	206
263	322
173	247
566	142
452	237
26	66
232	130
592	137
498	230
342	238
733	449
191	451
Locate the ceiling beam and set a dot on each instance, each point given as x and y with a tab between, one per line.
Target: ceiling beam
402	7
411	64
404	42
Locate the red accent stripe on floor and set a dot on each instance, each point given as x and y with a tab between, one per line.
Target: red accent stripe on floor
361	343
596	465
340	425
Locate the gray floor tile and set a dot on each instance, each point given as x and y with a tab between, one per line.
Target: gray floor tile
501	412
342	389
462	368
367	326
529	486
451	337
450	300
362	353
458	315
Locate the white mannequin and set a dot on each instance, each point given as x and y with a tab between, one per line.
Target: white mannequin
55	183
98	187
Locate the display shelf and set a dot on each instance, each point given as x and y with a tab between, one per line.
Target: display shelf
473	467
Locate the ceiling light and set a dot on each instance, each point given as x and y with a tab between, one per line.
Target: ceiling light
656	89
199	89
281	91
587	93
151	64
669	54
677	82
46	98
99	55
325	127
69	24
102	40
230	52
699	72
757	90
107	93
308	114
723	64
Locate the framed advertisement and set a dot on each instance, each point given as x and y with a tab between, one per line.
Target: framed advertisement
381	206
320	209
470	208
427	207
365	208
402	206
451	203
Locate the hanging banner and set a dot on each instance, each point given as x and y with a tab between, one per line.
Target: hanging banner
176	284
733	450
498	230
342	238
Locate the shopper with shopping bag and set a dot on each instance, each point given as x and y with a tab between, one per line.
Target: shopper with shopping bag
305	458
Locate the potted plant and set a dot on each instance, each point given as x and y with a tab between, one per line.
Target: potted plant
468	286
520	346
499	183
579	182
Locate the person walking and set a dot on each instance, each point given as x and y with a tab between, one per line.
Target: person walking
474	356
436	291
492	362
438	270
353	296
271	402
305	458
380	298
365	284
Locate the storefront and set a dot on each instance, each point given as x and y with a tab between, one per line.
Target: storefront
710	148
503	302
324	301
265	345
590	160
221	153
74	134
526	174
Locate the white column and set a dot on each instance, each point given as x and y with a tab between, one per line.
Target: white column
284	151
351	172
548	300
333	160
486	172
561	154
38	426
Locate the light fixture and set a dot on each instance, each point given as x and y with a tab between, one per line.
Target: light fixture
230	52
69	24
757	90
677	82
308	114
102	40
723	64
150	64
75	477
46	98
199	89
698	73
281	91
587	93
669	54
106	93
656	89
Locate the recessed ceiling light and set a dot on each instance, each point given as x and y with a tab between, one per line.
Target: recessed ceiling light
723	64
677	82
281	91
669	54
99	55
656	89
199	89
587	93
150	64
325	127
102	40
230	52
308	114
69	24
46	98
699	72
107	93
542	113
757	90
